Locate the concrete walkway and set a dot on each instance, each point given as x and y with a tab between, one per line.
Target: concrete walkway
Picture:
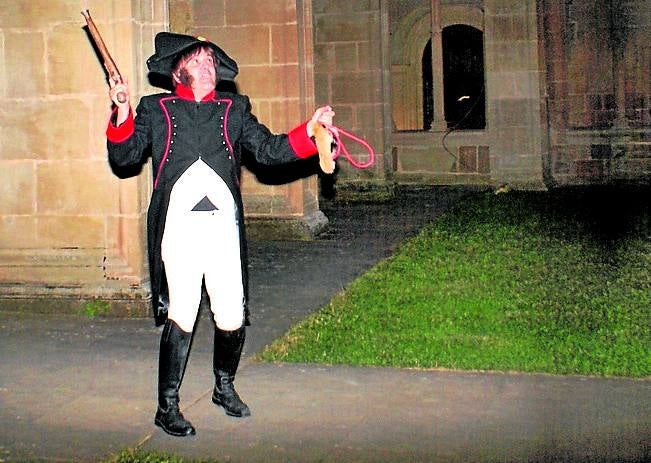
79	389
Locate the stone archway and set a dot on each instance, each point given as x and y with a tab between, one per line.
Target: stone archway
408	41
410	35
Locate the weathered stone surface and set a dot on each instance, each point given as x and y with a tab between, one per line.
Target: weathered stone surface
70	231
24	64
37	14
284	115
17	232
54	137
368	116
269	82
483	159
66	44
347	6
208	13
247	12
369	55
181	18
324	60
76	188
297	228
126	245
424	159
345	57
248	44
362	87
467	160
18	189
17	128
99	114
284	44
269	203
359	27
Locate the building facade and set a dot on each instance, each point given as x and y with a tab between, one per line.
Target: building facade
535	94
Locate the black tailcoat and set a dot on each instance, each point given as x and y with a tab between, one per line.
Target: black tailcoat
176	131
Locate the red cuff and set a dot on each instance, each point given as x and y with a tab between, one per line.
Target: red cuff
122	132
302	145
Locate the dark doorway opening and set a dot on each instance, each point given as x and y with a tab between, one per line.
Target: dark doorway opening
463	77
428	86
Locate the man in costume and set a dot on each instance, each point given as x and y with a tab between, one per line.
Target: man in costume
195	219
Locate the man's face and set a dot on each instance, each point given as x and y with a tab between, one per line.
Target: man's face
201	68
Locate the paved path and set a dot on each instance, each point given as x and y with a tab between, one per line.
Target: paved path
78	389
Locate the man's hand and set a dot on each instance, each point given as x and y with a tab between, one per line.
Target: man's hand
123	107
320	128
323	116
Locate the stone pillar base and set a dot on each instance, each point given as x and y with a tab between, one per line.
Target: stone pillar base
134	307
379	190
292	228
73	281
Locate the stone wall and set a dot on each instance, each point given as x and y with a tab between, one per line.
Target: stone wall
69	228
513	88
350	76
509	149
598	93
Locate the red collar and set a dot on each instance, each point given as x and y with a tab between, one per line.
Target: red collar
185	92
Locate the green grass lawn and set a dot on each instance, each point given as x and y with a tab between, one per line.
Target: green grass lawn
554	282
141	456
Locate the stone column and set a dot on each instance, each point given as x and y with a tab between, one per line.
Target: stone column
349	75
514	93
438	124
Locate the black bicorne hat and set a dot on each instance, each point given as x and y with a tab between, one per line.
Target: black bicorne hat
169	46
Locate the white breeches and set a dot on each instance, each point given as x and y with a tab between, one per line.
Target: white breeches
203	244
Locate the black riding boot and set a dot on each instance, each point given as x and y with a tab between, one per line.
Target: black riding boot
226	358
174	348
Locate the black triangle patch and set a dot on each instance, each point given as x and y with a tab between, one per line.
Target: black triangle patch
205	205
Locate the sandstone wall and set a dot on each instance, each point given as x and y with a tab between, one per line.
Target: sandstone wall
350	75
513	87
598	91
69	228
364	61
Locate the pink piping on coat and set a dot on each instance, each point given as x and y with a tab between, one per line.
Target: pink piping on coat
228	108
169	132
169	138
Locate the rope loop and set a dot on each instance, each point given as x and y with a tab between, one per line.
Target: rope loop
336	133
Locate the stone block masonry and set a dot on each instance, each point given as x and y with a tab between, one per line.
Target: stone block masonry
69	228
